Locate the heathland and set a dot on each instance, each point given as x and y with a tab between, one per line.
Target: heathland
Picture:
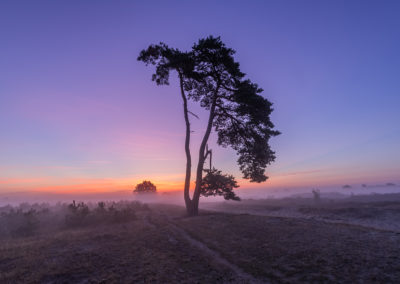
289	240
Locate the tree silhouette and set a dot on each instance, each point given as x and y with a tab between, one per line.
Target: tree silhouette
215	183
209	75
316	194
145	187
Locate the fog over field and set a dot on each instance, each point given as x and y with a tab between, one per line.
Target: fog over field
199	141
331	238
175	197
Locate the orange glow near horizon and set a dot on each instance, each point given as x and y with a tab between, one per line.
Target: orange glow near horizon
48	185
80	114
168	183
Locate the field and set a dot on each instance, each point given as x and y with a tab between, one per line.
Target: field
254	241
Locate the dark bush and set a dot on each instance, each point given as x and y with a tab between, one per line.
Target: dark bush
27	220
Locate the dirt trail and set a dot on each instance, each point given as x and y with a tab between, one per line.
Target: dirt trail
241	276
215	255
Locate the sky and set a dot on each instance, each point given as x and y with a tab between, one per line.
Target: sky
79	113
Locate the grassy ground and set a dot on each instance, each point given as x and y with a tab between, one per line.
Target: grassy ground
293	250
163	246
373	211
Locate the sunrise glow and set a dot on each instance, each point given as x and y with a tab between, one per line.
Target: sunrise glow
78	113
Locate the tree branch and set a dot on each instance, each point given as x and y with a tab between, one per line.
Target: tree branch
195	115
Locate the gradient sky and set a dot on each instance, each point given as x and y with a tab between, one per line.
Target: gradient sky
79	113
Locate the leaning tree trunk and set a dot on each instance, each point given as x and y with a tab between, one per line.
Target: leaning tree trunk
188	201
202	158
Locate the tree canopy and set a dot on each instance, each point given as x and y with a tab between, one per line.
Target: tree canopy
238	113
145	187
215	183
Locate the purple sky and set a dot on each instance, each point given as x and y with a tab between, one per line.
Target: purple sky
78	112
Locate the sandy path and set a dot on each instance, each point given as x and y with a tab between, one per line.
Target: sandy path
241	276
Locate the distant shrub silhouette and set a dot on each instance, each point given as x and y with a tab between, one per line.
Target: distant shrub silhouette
346	186
316	194
27	220
28	224
101	207
81	215
77	214
19	223
145	187
120	215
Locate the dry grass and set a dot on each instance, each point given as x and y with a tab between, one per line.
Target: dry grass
374	211
163	246
294	250
136	251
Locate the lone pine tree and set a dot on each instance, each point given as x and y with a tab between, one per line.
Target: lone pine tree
209	75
